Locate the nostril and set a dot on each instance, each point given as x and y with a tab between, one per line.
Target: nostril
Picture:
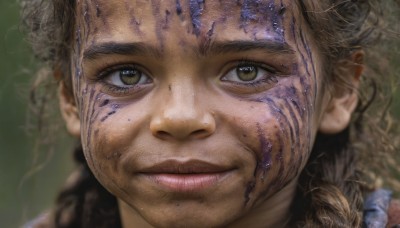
179	127
200	133
163	134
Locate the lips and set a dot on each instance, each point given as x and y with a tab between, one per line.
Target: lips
190	176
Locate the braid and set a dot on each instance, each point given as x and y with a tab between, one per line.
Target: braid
329	193
84	202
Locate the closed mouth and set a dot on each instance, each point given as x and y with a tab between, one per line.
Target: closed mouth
190	176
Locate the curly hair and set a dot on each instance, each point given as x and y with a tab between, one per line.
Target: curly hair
341	167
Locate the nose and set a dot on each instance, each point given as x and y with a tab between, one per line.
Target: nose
181	117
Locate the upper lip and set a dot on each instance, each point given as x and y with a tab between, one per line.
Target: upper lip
186	167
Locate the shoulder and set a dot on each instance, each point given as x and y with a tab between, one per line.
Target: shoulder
380	210
394	213
42	221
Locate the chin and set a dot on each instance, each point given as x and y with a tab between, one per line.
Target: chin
193	220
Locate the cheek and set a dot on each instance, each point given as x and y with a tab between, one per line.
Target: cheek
279	136
110	136
102	126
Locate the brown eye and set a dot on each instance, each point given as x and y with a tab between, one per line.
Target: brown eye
130	76
247	73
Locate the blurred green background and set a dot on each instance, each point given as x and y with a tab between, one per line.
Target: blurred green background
24	192
22	195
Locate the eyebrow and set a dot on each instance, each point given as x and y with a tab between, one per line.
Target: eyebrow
266	45
138	48
220	47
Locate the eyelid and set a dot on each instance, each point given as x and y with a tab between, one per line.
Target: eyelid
117	90
245	62
107	70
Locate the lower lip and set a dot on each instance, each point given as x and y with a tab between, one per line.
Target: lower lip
187	182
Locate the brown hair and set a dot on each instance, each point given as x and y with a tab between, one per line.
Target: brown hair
331	187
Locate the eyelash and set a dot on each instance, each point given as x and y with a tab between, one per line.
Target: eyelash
115	89
272	76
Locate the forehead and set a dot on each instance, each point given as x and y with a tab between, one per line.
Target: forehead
184	21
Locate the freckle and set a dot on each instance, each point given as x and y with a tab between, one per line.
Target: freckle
244	136
129	120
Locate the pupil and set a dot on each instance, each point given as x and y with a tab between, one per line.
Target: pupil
130	76
247	73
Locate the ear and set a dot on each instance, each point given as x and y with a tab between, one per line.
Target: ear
343	102
69	111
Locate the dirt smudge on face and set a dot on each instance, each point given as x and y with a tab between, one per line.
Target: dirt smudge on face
206	39
249	189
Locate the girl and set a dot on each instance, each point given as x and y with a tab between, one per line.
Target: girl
215	113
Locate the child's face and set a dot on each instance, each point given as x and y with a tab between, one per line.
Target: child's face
196	113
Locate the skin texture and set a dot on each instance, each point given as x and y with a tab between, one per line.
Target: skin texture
192	107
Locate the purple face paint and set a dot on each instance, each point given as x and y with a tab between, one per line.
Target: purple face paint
196	10
266	149
178	7
155	4
104	103
258	12
87	19
133	22
310	57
